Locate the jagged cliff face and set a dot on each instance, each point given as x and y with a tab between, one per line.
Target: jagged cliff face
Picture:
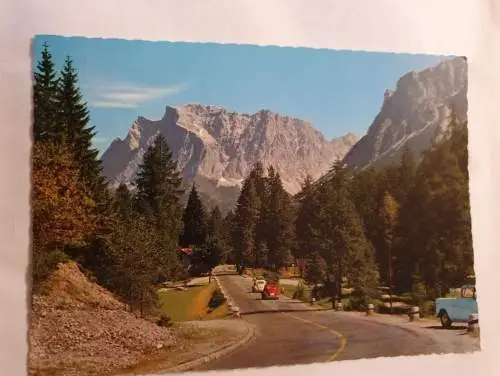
218	148
416	112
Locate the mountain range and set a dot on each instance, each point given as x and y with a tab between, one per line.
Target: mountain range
216	148
415	113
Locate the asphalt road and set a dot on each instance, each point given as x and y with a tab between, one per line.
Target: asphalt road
290	332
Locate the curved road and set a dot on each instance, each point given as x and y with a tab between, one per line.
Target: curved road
291	332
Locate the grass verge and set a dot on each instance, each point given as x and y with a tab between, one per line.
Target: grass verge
177	304
191	304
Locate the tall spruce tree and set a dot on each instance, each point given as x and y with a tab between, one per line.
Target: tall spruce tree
405	174
403	245
280	223
227	233
73	120
341	239
366	190
215	223
123	201
44	97
307	217
195	221
245	220
158	184
315	270
388	218
134	269
261	230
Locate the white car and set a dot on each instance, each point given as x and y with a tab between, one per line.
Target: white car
451	310
258	285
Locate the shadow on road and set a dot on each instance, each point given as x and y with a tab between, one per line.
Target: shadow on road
438	327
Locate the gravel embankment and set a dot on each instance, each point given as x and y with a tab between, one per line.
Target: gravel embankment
79	328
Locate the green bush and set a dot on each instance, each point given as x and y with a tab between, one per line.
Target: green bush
44	263
419	294
361	297
377	303
216	299
347	304
428	308
164	320
299	292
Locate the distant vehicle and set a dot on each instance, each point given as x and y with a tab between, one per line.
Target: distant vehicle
258	284
271	291
450	310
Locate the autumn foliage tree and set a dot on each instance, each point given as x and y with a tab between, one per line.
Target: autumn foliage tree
63	212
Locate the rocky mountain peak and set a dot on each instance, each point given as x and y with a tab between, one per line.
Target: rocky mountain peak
219	147
415	112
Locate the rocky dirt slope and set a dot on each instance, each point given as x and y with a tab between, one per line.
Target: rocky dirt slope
79	328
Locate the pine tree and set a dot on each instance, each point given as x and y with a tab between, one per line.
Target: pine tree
341	239
73	127
245	220
44	97
217	230
135	263
158	183
412	221
315	269
123	201
405	174
339	174
388	218
366	190
261	230
280	223
194	220
307	216
73	120
211	254
227	233
215	223
158	180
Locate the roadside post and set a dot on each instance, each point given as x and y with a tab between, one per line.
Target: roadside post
370	310
339	306
414	313
473	323
236	311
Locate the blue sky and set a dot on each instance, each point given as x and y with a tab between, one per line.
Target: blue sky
337	91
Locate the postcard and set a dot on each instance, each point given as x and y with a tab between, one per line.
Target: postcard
204	206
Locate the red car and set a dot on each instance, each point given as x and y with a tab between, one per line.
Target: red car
271	291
